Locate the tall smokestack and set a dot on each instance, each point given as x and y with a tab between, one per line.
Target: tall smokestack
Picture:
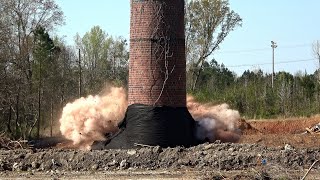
157	113
157	74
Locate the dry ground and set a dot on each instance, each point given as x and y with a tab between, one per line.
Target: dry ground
279	132
260	154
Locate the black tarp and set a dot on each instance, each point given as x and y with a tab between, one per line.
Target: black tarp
150	125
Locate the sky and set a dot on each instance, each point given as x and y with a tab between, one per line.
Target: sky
292	24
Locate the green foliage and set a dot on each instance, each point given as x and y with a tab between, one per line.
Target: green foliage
208	23
42	54
39	75
104	58
252	94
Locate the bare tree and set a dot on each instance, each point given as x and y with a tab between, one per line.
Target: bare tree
316	52
103	58
18	20
24	16
208	23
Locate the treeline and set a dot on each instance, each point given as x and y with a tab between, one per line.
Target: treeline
39	73
252	93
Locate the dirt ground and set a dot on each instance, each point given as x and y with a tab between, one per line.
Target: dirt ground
279	132
268	149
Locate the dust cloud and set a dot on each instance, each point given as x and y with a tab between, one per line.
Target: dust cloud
214	122
89	119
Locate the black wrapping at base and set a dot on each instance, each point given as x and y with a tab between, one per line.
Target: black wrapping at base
149	125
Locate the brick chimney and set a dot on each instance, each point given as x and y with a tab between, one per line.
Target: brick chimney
157	69
157	114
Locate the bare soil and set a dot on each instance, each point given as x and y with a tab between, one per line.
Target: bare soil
279	132
268	149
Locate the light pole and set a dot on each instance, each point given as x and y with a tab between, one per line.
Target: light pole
273	45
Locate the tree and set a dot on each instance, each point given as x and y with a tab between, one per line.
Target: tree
66	72
215	77
104	59
208	23
119	58
23	17
309	87
18	22
42	65
94	46
316	52
285	86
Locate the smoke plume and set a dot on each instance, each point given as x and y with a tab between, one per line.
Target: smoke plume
89	119
214	122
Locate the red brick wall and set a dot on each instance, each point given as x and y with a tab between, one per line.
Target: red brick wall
153	21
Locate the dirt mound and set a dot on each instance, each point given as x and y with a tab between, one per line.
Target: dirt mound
246	128
284	126
203	157
279	132
275	140
270	149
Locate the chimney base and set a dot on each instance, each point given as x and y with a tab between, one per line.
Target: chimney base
155	126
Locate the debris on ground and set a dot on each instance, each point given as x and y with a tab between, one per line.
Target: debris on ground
260	154
246	128
8	144
314	130
205	157
288	147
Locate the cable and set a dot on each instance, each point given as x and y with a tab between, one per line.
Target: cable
262	64
280	62
263	49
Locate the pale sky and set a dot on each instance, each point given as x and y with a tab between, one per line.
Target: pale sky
293	24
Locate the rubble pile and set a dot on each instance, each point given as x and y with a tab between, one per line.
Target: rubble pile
8	144
314	130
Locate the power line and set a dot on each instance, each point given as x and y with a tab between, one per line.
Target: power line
280	62
264	49
295	46
244	50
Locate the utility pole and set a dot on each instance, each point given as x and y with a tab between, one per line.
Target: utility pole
39	99
80	75
273	45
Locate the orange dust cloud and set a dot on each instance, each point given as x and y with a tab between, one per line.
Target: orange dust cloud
89	119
